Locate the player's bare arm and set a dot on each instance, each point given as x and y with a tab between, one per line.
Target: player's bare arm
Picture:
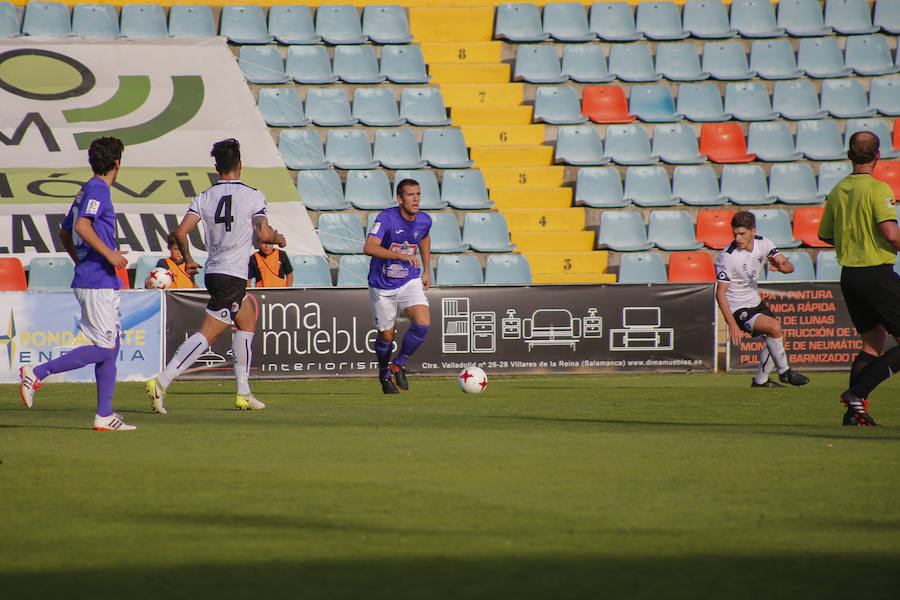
84	227
265	233
891	231
734	332
65	238
374	249
425	250
780	262
187	225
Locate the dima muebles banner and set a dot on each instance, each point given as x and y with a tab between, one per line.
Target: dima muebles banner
558	329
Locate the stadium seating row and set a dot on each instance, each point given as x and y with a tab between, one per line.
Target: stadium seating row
375	107
624	230
705	19
344	232
820	57
649	267
459	269
264	64
288	24
350	149
676	143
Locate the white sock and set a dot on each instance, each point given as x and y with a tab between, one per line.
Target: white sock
185	356
765	366
242	349
776	349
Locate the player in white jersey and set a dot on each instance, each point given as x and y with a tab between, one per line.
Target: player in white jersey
233	214
737	270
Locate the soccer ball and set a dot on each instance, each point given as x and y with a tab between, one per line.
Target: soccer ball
160	278
472	380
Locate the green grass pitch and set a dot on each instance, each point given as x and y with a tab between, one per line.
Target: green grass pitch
639	486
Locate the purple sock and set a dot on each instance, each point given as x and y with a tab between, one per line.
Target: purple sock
105	373
383	353
77	358
414	337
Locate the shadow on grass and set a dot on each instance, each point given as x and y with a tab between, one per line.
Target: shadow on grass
520	578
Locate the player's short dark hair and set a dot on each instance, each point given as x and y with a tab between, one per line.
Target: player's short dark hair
405	184
171	240
103	154
744	218
863	147
227	154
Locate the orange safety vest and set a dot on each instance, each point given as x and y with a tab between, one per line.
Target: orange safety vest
269	266
181	277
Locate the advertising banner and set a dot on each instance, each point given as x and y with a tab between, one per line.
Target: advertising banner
550	329
818	333
39	326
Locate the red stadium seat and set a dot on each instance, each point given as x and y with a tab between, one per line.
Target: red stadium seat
714	227
806	226
123	277
605	104
724	143
889	172
12	275
695	266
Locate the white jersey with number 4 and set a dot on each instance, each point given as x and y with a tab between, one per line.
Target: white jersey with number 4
227	210
741	268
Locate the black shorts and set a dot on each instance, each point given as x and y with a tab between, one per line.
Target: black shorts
226	293
743	316
872	295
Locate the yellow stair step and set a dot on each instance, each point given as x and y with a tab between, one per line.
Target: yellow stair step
505	156
491	115
569	263
482	94
451	24
522	220
569	279
465	73
522	177
552	241
462	52
556	197
503	135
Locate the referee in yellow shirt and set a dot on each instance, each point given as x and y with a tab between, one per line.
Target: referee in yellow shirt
861	221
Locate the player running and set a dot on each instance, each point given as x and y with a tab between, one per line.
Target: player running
398	281
737	270
232	213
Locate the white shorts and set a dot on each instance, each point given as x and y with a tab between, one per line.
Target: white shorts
385	303
99	315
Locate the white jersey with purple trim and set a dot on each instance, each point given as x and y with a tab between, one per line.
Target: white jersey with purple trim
741	268
227	210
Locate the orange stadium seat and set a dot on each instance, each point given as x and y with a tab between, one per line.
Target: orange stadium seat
122	274
695	266
889	172
12	275
806	226
714	227
724	143
606	104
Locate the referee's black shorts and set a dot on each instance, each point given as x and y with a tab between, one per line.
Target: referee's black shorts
872	295
226	293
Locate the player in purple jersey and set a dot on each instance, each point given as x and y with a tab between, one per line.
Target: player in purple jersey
398	281
88	234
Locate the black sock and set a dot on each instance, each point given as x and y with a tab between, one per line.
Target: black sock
886	365
863	361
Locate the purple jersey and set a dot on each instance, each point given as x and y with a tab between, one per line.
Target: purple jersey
400	235
93	202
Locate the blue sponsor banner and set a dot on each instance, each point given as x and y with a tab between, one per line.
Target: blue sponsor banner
39	326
